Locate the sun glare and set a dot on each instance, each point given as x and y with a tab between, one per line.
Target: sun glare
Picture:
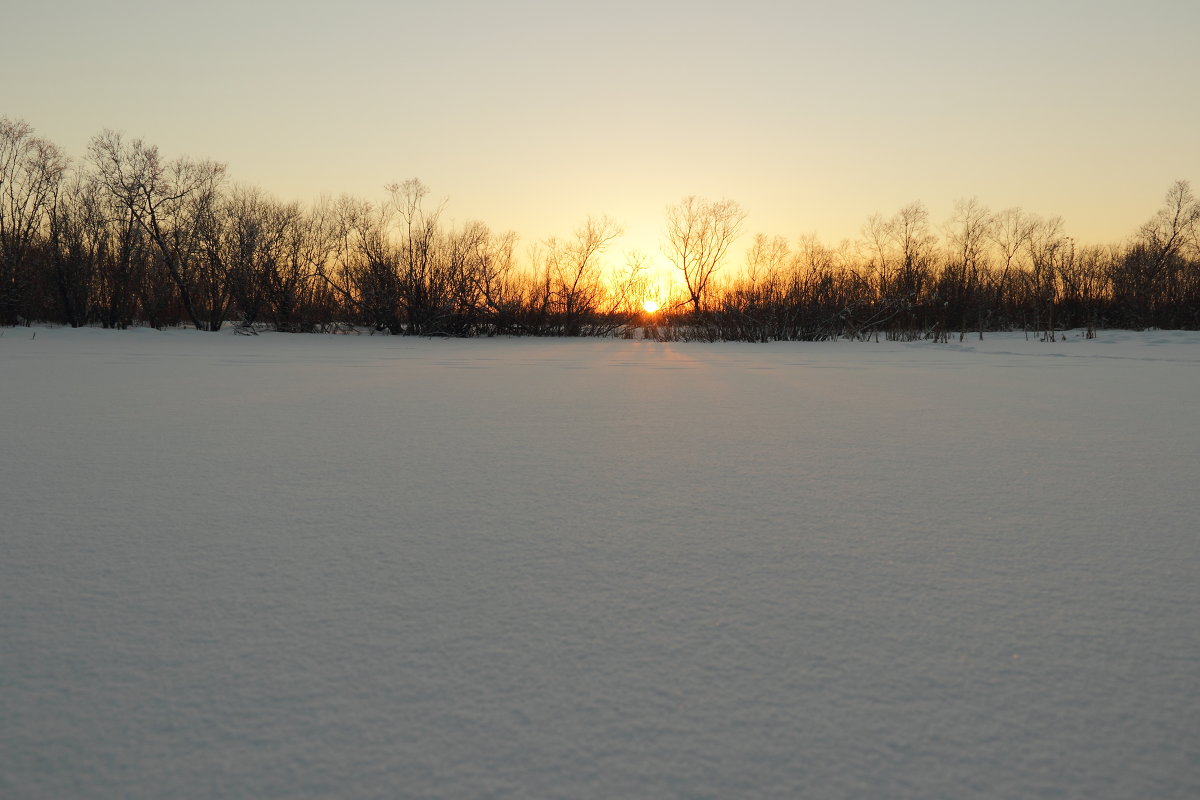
650	306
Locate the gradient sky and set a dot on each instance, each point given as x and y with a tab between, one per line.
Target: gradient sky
532	115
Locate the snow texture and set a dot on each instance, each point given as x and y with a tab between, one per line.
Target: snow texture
340	566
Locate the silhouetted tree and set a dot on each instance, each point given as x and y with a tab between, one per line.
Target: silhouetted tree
1048	247
1157	275
960	286
1010	232
699	234
80	243
31	170
576	274
297	300
164	199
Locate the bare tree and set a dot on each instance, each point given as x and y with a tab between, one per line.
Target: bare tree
576	274
699	234
1156	274
967	233
213	261
1083	284
630	287
961	283
363	269
1175	229
80	244
425	279
246	249
766	257
295	295
397	268
1172	243
899	253
1048	246
127	285
495	293
163	198
913	243
1010	232
31	170
899	250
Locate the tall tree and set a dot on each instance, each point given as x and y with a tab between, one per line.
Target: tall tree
31	170
961	283
699	234
766	258
576	274
163	198
80	244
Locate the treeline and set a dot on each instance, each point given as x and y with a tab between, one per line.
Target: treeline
989	271
124	237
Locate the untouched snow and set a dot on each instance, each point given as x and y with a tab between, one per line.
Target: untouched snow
301	566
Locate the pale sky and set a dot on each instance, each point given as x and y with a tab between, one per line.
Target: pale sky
533	115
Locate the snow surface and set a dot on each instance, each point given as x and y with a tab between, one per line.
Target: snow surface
305	566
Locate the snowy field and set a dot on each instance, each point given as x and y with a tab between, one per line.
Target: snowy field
305	566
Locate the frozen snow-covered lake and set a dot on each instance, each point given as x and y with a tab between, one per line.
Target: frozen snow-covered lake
301	566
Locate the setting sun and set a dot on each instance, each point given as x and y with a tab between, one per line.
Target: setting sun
650	306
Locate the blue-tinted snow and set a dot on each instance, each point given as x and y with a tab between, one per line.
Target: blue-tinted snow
297	566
